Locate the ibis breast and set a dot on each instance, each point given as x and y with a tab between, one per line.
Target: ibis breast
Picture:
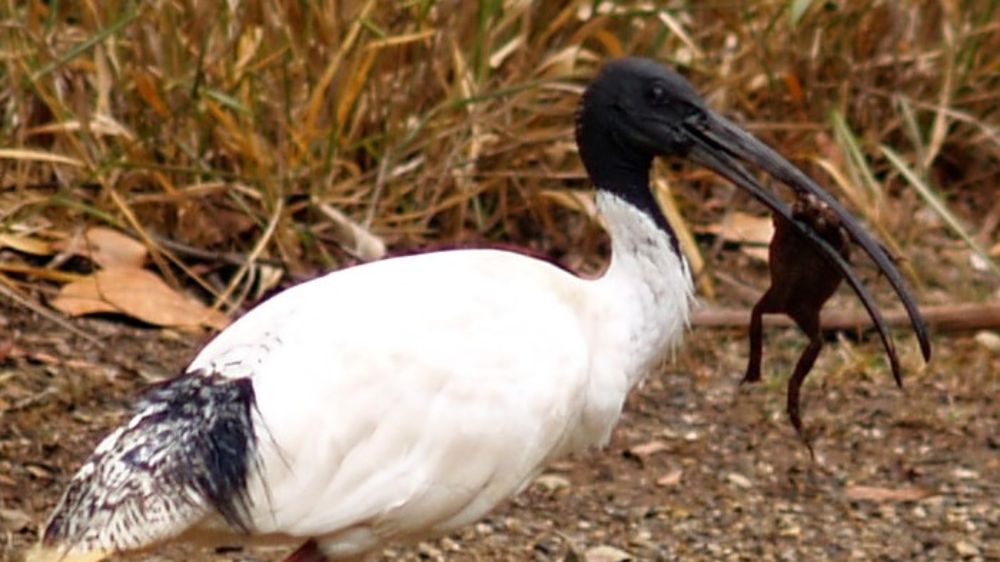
408	397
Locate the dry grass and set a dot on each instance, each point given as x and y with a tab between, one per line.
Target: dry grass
236	127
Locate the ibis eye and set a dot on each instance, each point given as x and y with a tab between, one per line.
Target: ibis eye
657	94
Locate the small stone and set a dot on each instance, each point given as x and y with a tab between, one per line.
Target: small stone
966	548
739	480
791	531
642	537
606	553
965	474
648	448
978	263
427	550
169	334
989	340
513	525
671	478
552	482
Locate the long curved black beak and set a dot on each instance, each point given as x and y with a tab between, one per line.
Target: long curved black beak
719	145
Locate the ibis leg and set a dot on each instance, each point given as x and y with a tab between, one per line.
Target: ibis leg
308	552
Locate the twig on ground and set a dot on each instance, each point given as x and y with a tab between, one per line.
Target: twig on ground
7	290
941	318
229	258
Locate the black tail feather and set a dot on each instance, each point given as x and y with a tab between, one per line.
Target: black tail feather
189	448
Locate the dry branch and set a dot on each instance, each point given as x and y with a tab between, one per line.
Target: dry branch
7	290
941	318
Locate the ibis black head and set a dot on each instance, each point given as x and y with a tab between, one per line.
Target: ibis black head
636	109
639	107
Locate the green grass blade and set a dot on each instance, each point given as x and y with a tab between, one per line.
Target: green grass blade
936	203
797	9
859	166
101	35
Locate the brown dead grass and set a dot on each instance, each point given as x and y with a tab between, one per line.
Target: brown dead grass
250	142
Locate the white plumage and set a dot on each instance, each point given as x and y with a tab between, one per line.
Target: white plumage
445	383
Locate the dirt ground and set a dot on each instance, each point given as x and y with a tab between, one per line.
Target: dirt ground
698	469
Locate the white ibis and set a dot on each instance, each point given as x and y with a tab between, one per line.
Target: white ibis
405	398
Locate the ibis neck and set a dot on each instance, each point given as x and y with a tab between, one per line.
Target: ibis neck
648	280
621	172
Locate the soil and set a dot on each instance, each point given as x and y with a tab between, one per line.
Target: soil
698	468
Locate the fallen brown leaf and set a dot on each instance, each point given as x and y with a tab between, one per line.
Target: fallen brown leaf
752	232
648	448
109	248
137	293
743	227
671	478
876	493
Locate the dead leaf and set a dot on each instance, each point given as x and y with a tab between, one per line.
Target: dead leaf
671	478
109	248
876	493
137	293
752	232
647	449
606	553
742	227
